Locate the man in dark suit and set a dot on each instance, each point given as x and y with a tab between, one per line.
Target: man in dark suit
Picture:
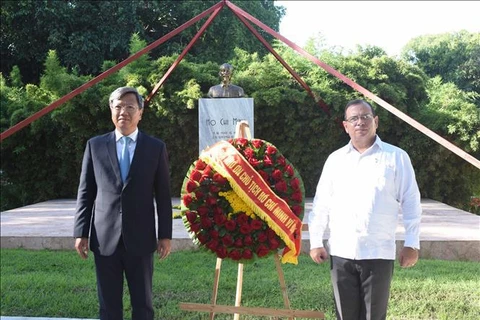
124	173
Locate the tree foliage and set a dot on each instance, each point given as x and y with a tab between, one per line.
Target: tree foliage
49	48
42	161
453	56
86	33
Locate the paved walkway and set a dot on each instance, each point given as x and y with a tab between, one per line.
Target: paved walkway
447	233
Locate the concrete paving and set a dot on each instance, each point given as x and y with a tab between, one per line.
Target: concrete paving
447	233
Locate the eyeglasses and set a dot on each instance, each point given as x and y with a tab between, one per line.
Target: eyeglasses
364	117
129	109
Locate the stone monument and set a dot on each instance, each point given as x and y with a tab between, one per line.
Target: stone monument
220	113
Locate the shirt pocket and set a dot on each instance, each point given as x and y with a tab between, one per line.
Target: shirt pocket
384	181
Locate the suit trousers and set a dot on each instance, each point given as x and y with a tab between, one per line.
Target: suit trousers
361	287
110	272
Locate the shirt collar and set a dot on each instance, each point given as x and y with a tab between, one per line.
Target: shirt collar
132	135
378	142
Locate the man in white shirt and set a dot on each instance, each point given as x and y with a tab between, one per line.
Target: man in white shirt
362	189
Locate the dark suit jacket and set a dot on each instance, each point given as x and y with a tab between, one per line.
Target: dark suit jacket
107	209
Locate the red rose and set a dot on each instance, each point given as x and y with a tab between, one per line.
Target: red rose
295	183
222	252
191	216
187	199
262	251
267	161
264	175
242	142
235	254
214	189
274	243
217	177
281	186
227	240
213	234
218	210
277	175
242	218
195	175
271	150
230	225
202	238
195	227
262	237
191	186
271	234
212	244
297	196
281	161
219	219
202	211
289	170
200	165
256	224
211	201
248	241
207	171
297	210
257	143
254	162
247	254
206	222
245	229
248	152
199	195
238	243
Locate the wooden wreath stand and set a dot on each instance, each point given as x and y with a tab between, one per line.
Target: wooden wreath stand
243	131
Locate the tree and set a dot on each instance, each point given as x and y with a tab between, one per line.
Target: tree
285	115
453	56
86	33
83	33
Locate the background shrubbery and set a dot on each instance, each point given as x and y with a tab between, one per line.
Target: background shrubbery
42	161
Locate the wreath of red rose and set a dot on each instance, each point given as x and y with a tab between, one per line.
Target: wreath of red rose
209	219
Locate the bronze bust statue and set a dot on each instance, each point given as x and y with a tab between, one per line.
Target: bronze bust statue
225	89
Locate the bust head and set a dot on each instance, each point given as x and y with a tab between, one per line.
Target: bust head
225	73
225	89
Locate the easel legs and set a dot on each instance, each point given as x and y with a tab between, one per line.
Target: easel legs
283	286
238	295
258	311
215	285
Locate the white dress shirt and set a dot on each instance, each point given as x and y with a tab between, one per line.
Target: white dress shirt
359	197
131	146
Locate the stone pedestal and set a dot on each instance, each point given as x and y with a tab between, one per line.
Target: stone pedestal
218	117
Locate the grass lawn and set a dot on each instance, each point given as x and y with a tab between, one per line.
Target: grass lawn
44	283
